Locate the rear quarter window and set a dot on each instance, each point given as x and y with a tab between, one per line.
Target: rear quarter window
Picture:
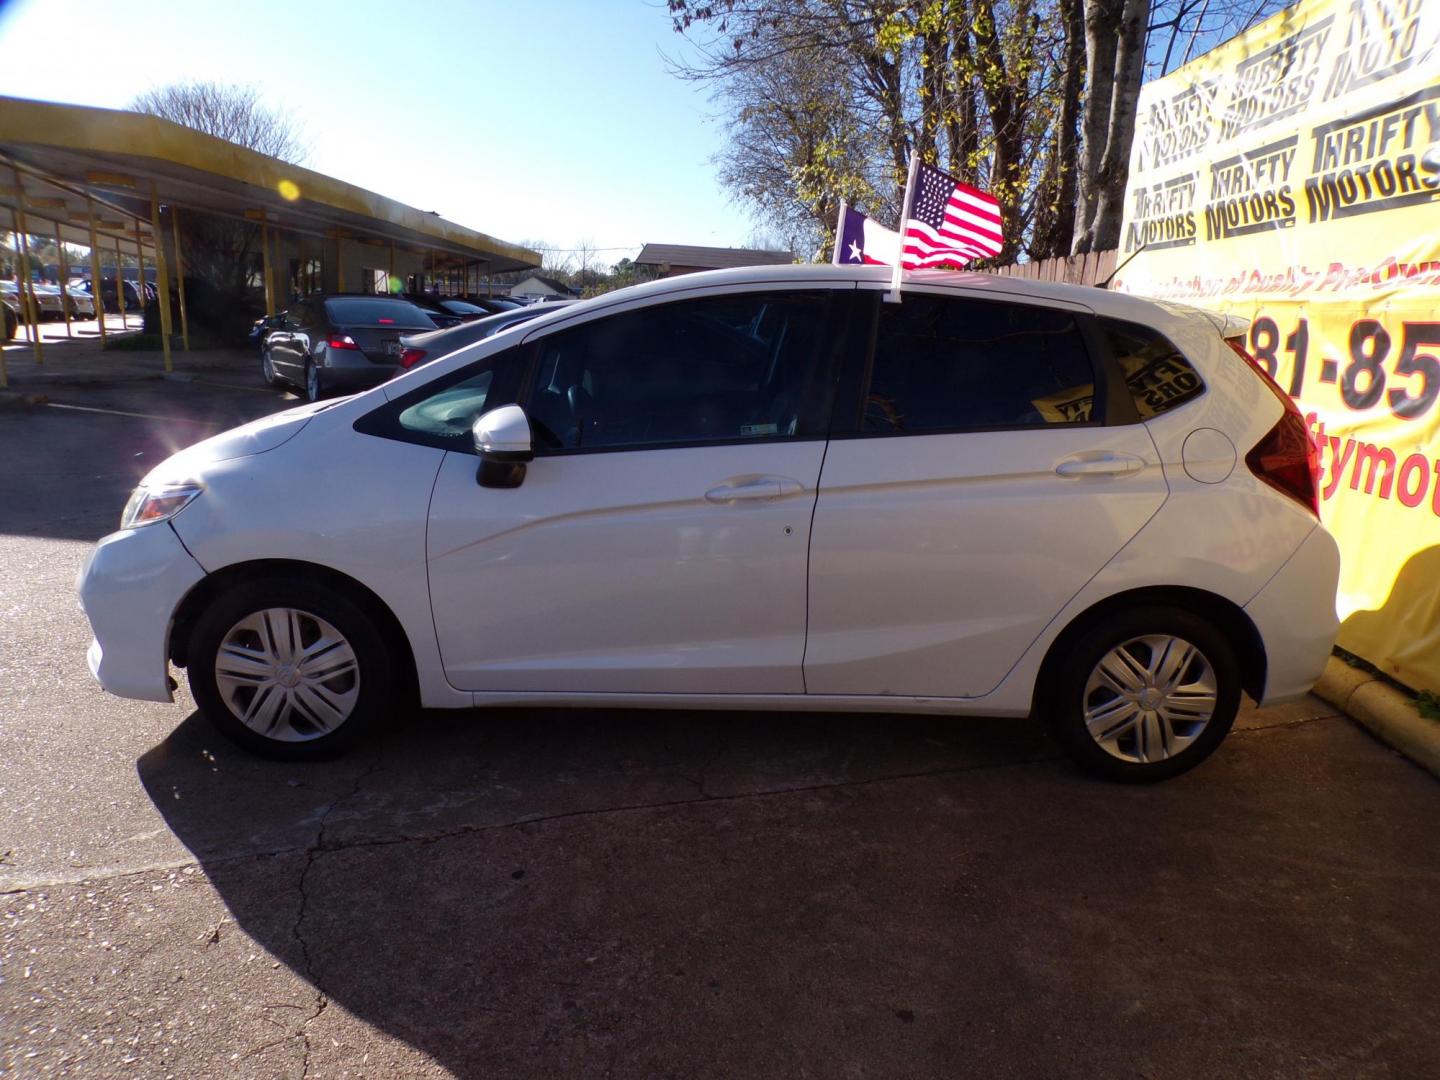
1156	373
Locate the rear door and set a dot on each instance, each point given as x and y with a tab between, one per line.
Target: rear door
970	491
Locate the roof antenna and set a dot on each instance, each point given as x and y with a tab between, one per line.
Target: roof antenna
1106	283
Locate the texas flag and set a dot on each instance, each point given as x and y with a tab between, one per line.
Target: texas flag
860	240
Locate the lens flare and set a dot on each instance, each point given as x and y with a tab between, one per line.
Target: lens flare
289	190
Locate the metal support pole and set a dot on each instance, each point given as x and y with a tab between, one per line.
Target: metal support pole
180	278
140	258
339	266
27	290
265	279
162	277
64	279
120	286
390	272
96	282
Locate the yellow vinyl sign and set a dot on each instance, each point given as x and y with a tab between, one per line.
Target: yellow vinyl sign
1292	176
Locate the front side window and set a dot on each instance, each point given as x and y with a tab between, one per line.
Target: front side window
719	369
442	412
954	364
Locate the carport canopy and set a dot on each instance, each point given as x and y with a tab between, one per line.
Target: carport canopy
60	161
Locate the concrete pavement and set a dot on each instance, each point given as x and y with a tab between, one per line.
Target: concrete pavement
640	894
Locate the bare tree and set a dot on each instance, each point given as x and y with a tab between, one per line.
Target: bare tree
232	113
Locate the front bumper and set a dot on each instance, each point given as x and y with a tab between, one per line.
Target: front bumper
1295	614
129	589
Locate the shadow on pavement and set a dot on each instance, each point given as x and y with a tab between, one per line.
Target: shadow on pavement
640	894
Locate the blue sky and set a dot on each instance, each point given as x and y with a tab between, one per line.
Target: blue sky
549	120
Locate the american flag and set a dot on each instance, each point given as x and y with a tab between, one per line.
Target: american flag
949	222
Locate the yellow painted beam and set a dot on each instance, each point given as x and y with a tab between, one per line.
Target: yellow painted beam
180	278
162	277
270	307
120	285
28	286
64	279
96	282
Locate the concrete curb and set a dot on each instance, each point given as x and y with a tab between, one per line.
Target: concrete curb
1384	710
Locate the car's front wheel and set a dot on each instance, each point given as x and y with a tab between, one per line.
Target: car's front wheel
290	668
1145	695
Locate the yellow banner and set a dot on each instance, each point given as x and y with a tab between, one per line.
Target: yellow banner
1292	176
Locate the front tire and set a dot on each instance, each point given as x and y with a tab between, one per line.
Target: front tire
1145	695
290	669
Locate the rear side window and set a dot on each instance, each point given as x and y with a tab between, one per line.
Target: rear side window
359	311
1156	372
953	364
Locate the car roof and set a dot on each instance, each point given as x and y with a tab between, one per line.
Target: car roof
1115	305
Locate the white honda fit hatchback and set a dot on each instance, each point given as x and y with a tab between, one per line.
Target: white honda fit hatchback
754	489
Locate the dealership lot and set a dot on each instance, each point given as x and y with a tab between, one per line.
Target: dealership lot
559	892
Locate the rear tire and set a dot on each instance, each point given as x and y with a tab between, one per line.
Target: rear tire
267	368
1144	695
290	669
314	389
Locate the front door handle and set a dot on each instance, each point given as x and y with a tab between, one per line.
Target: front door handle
754	487
1105	465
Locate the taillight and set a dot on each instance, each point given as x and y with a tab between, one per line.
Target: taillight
410	357
1286	458
341	341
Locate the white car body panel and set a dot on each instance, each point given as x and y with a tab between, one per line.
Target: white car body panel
129	588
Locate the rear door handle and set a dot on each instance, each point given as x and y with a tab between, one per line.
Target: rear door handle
1105	465
756	487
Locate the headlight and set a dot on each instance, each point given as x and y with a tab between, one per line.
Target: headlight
149	505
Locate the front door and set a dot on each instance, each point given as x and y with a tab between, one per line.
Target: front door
977	491
658	541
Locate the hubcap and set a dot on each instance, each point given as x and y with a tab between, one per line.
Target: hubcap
1149	698
287	675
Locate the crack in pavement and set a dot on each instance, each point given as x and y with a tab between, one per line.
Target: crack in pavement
322	1000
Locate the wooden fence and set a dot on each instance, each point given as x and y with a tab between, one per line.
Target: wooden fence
1090	269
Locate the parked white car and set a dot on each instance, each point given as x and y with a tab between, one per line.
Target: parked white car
765	488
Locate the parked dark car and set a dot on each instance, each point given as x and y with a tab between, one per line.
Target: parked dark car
342	342
134	298
417	349
494	304
445	310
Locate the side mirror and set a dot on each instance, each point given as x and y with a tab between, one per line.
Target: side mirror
502	441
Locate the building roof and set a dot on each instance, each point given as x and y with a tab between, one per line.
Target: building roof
70	155
709	258
548	282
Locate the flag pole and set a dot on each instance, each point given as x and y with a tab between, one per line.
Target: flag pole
839	235
893	296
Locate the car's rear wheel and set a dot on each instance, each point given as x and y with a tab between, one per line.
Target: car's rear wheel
314	389
290	668
1145	695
